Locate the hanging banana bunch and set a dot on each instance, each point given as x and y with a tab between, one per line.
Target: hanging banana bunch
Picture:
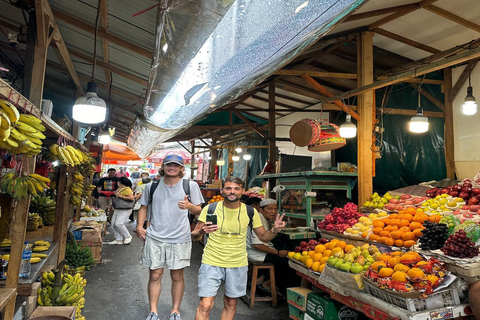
68	155
19	187
76	189
20	133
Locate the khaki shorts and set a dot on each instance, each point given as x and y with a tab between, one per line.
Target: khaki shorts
210	277
156	254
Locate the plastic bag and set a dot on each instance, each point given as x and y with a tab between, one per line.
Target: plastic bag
471	229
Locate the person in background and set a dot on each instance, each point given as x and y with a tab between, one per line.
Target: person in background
144	174
120	216
254	202
120	173
167	238
108	183
95	194
138	194
258	251
243	198
225	255
474	298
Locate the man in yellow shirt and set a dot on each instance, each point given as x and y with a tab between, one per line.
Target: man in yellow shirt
225	255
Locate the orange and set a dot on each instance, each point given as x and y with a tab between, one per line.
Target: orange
327	253
416	273
378	224
331	244
365	234
399	276
315	266
418	233
411	210
377	264
382	239
384	233
396	234
390	242
336	250
320	248
401	267
385	272
309	263
373	237
408	236
409	243
341	244
396	253
415	225
320	269
393	216
399	243
408	217
404	222
390	228
392	262
384	257
323	260
377	230
405	229
433	279
316	257
350	247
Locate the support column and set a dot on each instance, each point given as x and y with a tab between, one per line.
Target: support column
366	111
448	130
62	210
272	150
230	149
192	161
213	161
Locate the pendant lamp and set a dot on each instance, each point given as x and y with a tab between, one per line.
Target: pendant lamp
469	106
348	129
419	123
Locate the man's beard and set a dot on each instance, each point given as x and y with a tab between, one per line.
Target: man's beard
225	198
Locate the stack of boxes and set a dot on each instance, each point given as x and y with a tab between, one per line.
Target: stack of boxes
217	184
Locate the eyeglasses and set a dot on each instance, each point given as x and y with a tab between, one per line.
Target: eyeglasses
229	232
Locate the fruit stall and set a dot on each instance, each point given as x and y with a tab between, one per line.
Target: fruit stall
400	256
45	177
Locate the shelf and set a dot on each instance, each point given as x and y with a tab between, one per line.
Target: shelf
308	174
371	306
6	294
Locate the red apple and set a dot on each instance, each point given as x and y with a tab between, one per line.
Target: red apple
390	207
476	191
473	208
323	240
398	207
449	187
457	187
393	201
467	184
430	193
467	190
453	193
473	200
298	249
405	196
408	202
445	190
417	200
464	195
457	212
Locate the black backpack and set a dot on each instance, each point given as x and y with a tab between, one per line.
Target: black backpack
186	188
250	211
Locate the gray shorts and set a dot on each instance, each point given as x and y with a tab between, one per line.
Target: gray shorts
210	277
156	254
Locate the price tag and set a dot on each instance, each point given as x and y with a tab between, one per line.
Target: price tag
440	314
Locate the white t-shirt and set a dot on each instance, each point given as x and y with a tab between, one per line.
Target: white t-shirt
168	223
253	254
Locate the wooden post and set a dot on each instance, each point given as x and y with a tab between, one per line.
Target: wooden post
272	150
448	131
231	149
192	162
62	210
213	161
366	110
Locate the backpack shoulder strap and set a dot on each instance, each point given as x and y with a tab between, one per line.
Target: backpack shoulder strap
186	187
212	207
250	212
152	190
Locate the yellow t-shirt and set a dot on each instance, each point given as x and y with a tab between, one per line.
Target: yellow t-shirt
227	247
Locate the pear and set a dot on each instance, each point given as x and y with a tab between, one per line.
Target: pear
349	258
365	253
356	268
339	255
332	261
361	260
346	266
365	246
355	252
338	263
370	260
376	255
372	250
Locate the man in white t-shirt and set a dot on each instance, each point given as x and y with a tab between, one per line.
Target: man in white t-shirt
167	239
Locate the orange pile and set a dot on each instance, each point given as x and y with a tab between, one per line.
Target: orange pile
402	229
216	198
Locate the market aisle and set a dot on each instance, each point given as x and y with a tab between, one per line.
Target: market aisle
117	289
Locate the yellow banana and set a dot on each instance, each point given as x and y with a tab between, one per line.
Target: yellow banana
31	188
38	142
4	133
73	155
5	120
39	177
32	121
37	135
30	144
11	142
10	110
35	260
54	149
66	154
24	127
17	135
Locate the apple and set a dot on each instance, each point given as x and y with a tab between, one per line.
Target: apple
464	195
453	193
417	200
298	249
445	190
425	198
408	202
457	187
323	240
398	207
473	200
395	201
467	189
405	196
449	188
476	191
473	208
390	207
303	244
457	212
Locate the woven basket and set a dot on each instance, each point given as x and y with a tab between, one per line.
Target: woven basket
329	139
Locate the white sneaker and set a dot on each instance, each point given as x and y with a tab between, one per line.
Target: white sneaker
127	240
114	242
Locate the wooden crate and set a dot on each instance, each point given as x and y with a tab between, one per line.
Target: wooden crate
96	248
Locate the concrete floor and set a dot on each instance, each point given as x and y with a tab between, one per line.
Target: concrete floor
117	288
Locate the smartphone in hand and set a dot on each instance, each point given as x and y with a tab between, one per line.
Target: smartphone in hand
212	218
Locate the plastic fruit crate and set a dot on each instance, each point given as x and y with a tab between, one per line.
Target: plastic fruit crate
444	298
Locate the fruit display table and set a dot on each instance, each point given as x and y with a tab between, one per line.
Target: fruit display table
373	307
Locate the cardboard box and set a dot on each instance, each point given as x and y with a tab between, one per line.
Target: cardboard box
213	186
96	250
295	313
297	297
54	311
218	182
321	307
89	235
31	304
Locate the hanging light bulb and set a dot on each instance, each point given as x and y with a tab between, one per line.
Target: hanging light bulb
238	150
469	106
348	129
220	162
419	123
247	156
235	157
105	138
90	108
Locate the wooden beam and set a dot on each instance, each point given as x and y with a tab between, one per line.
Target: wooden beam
366	109
255	108
463	77
327	93
430	97
319	74
417	80
104	15
102	34
298	89
280	104
283	96
404	40
448	131
272	147
452	17
379	12
445	63
109	67
250	124
411	113
400	13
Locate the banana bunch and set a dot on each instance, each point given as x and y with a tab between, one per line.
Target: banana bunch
87	169
6	243
68	155
76	190
34	222
70	294
20	133
21	187
32	260
78	257
45	207
73	271
41	245
87	190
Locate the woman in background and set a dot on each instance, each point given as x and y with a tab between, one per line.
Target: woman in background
120	216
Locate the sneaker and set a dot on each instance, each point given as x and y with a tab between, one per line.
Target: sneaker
127	240
152	316
175	316
114	242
